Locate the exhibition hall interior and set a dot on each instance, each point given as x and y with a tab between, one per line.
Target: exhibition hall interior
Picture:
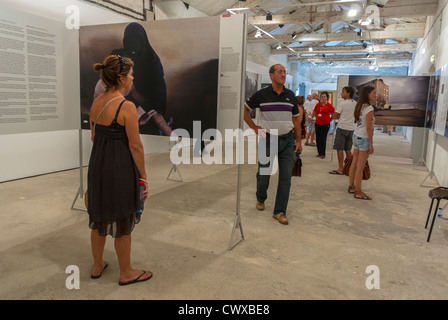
202	232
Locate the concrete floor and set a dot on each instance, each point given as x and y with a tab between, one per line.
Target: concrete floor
186	227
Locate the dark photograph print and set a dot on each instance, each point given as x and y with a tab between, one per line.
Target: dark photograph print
401	100
175	70
431	110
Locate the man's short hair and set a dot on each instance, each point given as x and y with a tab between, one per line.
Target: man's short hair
350	90
272	68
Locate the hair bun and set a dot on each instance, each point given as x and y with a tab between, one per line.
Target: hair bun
98	66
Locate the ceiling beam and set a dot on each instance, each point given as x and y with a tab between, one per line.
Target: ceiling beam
402	9
407	47
355	64
398	31
354	57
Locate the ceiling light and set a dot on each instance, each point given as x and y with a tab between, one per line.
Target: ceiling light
258	34
310	49
364	46
352	12
294	35
323	55
268	16
365	22
236	9
359	33
279	46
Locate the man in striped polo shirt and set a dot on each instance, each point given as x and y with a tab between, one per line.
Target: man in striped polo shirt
279	124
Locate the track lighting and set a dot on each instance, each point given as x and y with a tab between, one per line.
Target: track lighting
294	35
268	16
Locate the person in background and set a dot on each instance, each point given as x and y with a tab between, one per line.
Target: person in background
344	133
309	105
323	111
302	116
116	167
362	140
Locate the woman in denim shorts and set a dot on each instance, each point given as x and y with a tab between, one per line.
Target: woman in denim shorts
362	140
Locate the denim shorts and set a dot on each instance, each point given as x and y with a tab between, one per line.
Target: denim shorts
361	143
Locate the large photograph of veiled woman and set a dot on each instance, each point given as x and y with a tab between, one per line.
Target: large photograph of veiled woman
175	73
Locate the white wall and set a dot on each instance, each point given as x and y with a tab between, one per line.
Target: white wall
434	43
28	154
25	155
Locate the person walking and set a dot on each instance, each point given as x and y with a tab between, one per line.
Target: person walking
344	133
323	111
280	125
116	167
362	140
309	105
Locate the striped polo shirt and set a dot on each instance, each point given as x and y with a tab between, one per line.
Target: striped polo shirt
276	110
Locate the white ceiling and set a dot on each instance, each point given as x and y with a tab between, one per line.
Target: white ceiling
325	26
56	9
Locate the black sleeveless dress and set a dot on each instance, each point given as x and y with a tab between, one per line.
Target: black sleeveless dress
112	182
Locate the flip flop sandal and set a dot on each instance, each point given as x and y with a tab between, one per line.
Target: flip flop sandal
99	276
351	190
364	197
335	172
136	280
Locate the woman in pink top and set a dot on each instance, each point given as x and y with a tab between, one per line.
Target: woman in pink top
323	111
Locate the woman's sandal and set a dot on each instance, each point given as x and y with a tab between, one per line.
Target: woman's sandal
101	273
364	197
351	189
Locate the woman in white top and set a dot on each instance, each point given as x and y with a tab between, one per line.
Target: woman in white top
362	140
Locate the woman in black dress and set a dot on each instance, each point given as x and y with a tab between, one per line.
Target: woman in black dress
116	167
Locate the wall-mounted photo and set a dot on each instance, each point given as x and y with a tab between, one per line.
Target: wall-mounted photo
401	100
253	84
175	70
431	110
